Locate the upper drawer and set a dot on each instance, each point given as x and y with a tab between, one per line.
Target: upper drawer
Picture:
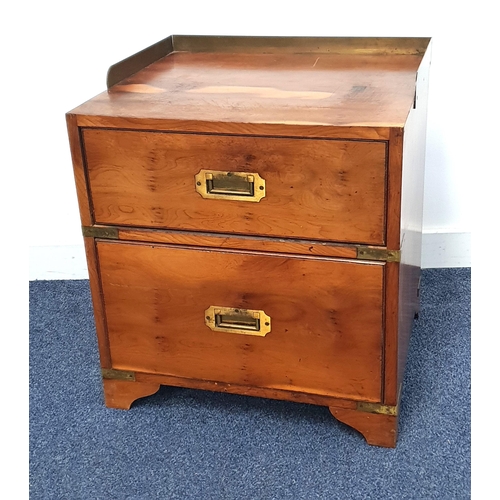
313	188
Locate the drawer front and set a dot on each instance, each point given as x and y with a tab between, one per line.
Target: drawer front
310	188
195	313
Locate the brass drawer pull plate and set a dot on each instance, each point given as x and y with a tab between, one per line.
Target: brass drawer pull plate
236	186
241	321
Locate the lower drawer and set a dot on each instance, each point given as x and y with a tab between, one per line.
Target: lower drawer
298	323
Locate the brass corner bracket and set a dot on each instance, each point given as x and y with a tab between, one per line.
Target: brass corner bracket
381	254
110	233
378	408
111	373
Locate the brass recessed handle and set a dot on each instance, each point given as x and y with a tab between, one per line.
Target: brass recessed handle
235	320
236	186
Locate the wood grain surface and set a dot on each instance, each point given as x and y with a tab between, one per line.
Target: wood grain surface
327	322
79	170
326	90
97	302
380	133
243	242
316	189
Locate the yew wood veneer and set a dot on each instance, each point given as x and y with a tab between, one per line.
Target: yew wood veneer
252	214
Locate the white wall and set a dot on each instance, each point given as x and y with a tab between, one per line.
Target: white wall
70	46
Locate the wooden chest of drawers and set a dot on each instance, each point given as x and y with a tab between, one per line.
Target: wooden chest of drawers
252	212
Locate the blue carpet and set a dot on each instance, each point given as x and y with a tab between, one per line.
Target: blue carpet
187	444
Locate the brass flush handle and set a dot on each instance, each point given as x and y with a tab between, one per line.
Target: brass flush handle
236	186
242	321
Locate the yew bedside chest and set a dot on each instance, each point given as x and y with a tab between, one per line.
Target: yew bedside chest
252	213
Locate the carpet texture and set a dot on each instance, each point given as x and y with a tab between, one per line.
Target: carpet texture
187	444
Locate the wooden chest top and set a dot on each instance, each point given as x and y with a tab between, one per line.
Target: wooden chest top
258	85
